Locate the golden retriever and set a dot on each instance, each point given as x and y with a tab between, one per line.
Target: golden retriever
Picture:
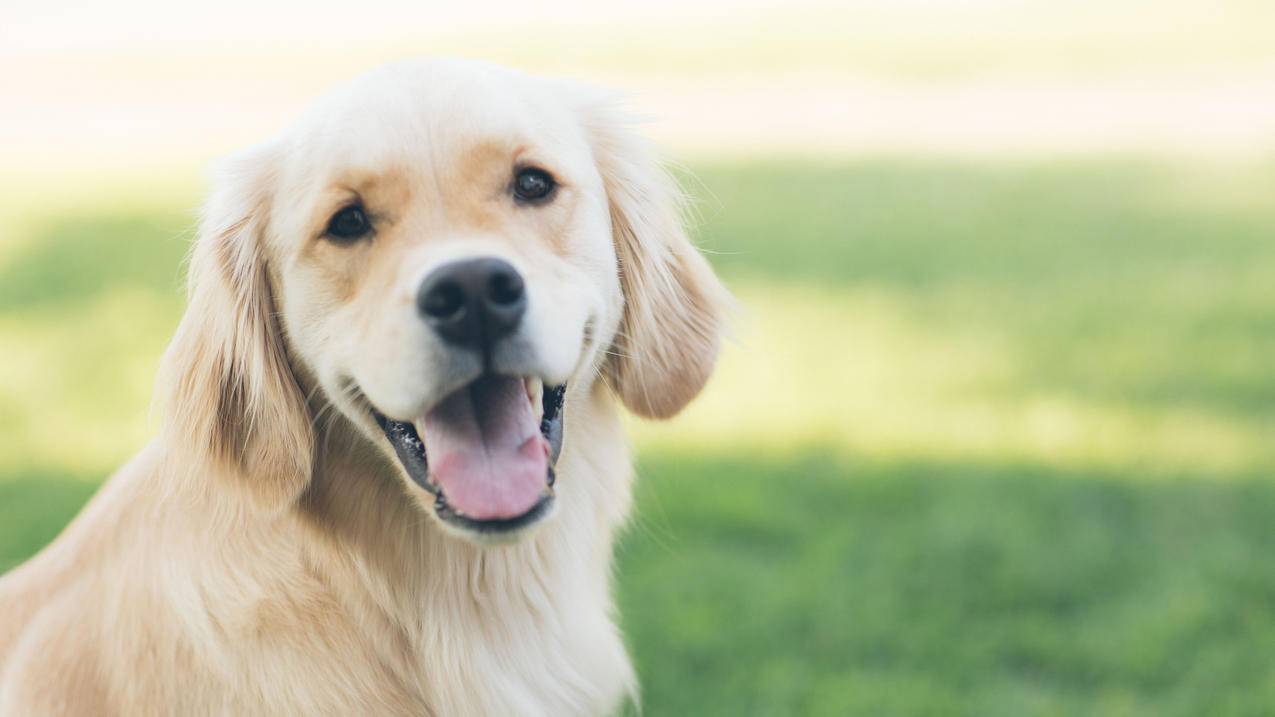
390	469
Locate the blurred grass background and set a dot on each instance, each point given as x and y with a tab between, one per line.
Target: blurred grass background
995	434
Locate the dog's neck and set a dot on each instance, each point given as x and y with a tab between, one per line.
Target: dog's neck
361	507
357	569
542	602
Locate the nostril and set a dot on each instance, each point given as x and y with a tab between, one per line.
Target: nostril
505	288
444	300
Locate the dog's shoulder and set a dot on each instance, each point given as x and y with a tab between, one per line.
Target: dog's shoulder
50	656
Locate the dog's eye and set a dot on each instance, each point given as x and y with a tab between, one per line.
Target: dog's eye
349	224
533	185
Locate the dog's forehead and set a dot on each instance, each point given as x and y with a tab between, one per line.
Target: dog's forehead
429	112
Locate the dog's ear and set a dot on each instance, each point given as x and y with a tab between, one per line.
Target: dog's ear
232	402
674	306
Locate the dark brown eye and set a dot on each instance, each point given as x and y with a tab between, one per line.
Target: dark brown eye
533	185
349	224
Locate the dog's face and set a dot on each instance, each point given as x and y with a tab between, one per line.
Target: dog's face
445	251
445	267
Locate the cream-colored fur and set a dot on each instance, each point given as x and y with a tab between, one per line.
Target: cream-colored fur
266	554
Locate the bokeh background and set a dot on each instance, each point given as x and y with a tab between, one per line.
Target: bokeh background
997	430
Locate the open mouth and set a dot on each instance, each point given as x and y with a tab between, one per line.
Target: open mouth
486	451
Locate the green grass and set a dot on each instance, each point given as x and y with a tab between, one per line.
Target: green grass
993	439
818	585
33	508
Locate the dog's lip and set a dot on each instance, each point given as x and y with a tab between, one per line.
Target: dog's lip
499	525
410	450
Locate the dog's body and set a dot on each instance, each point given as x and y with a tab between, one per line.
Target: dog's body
144	606
267	554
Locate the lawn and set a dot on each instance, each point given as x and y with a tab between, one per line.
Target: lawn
991	439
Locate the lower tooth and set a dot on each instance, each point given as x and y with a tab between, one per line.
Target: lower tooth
535	394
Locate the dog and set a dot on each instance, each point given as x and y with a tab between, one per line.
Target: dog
390	467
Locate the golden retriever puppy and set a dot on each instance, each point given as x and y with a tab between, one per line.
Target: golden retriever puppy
391	467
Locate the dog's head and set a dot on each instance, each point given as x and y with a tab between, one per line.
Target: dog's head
442	251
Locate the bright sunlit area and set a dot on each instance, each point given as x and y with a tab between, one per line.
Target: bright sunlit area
993	431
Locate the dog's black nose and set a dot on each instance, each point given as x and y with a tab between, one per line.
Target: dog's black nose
473	303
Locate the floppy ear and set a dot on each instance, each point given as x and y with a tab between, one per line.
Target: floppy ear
233	405
674	306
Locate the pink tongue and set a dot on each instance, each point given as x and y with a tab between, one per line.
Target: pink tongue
485	450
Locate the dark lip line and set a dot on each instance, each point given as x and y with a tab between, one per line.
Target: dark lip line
402	435
495	525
